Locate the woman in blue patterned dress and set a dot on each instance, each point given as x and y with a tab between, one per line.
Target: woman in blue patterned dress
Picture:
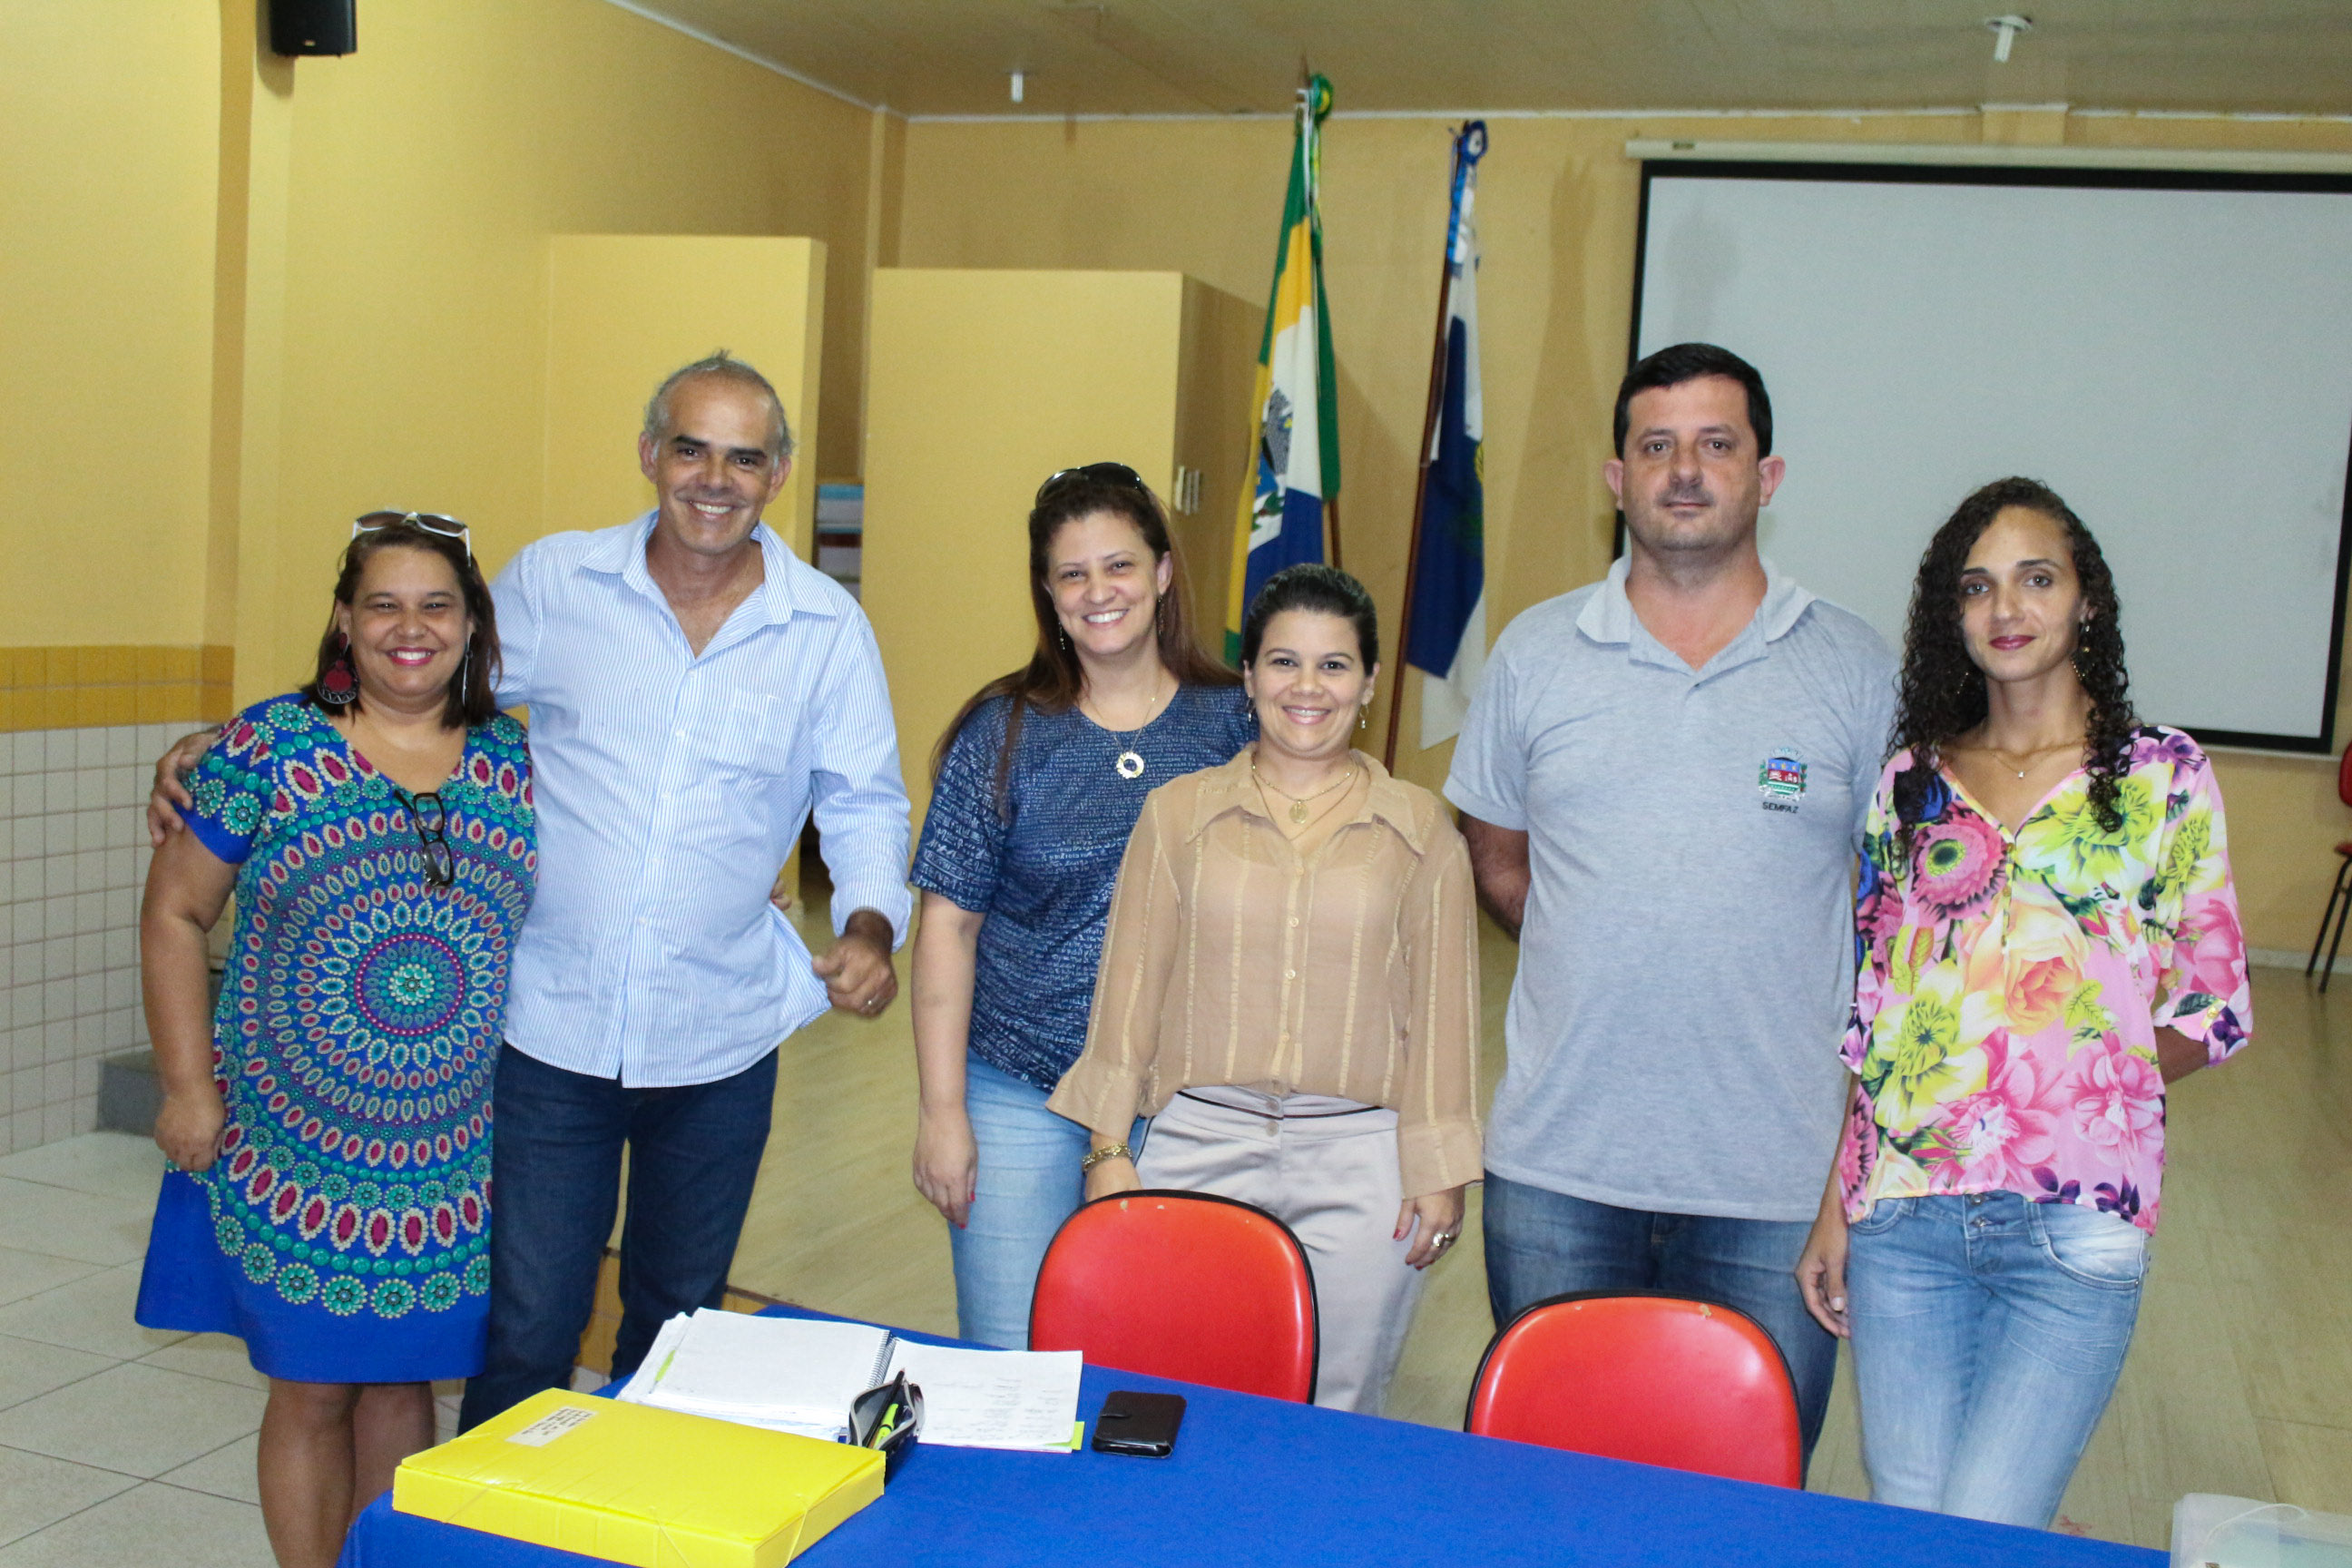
329	1117
1040	780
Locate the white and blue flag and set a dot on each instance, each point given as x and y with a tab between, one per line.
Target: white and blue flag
1448	640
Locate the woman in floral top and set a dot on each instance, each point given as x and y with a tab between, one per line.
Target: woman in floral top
2048	937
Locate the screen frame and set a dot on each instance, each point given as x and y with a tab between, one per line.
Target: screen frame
2044	176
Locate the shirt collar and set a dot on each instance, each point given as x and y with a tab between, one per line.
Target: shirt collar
1608	616
1228	787
621	551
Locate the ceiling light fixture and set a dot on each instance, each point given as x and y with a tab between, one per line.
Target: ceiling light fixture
2004	30
1020	85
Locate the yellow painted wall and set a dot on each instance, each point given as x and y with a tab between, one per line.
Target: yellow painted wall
624	310
980	385
247	299
107	178
426	176
1556	206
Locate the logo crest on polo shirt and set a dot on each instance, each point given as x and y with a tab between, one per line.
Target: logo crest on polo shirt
1782	781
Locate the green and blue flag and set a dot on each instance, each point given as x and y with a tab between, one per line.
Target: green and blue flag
1293	488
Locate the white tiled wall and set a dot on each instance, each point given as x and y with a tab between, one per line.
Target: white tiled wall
76	858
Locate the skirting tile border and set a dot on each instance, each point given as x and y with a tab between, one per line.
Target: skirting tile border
114	684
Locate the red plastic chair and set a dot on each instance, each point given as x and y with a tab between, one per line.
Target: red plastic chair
2339	901
1661	1380
1182	1285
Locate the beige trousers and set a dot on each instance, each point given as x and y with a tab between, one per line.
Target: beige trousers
1330	1173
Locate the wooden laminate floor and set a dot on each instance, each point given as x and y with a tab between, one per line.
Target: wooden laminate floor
2239	1380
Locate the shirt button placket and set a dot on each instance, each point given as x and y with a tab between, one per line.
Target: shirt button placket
1289	979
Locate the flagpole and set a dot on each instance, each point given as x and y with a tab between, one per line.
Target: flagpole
1437	363
1314	130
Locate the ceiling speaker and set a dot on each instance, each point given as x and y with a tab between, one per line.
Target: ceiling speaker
313	26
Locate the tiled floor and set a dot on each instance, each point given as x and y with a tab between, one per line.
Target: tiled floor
117	1445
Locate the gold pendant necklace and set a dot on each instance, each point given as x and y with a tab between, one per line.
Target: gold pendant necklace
1298	812
2002	757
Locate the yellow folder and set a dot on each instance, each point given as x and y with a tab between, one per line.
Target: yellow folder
631	1483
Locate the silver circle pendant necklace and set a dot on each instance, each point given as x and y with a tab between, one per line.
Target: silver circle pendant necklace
1128	764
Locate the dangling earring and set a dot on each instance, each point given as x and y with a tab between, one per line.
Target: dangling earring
1364	715
464	670
340	686
1064	636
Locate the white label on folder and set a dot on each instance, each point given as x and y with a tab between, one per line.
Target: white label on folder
551	1426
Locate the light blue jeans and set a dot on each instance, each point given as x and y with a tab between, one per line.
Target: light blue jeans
1542	1244
1028	1182
1987	1333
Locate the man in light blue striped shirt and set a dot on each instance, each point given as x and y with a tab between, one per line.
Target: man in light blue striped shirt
695	690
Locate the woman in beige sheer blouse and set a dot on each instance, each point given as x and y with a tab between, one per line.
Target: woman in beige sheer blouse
1289	987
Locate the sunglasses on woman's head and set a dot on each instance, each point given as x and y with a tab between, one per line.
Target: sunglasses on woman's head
1100	473
430	521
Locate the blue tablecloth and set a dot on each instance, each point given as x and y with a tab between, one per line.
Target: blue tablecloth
1259	1482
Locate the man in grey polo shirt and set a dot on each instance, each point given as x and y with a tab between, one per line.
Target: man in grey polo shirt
1663	781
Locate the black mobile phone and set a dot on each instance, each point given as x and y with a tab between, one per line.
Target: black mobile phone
1131	1422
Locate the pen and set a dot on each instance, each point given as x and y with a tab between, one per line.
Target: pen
889	1425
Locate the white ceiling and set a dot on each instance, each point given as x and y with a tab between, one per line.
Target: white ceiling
1218	57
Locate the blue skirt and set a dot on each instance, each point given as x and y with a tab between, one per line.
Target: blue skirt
190	1286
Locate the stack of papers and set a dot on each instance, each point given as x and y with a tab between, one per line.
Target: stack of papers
994	1399
739	1368
801	1375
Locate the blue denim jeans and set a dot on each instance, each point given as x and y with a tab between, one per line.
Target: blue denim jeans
555	1176
1028	1182
1987	1333
1542	1244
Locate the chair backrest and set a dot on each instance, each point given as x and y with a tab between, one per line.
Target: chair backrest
2343	777
1663	1380
1181	1285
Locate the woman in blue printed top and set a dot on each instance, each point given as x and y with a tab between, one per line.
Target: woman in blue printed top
1040	780
330	1117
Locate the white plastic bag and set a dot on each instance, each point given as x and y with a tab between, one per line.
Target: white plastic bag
2210	1530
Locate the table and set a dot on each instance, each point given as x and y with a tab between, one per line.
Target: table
1257	1480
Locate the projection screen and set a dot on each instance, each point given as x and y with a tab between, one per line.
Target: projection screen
2172	353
